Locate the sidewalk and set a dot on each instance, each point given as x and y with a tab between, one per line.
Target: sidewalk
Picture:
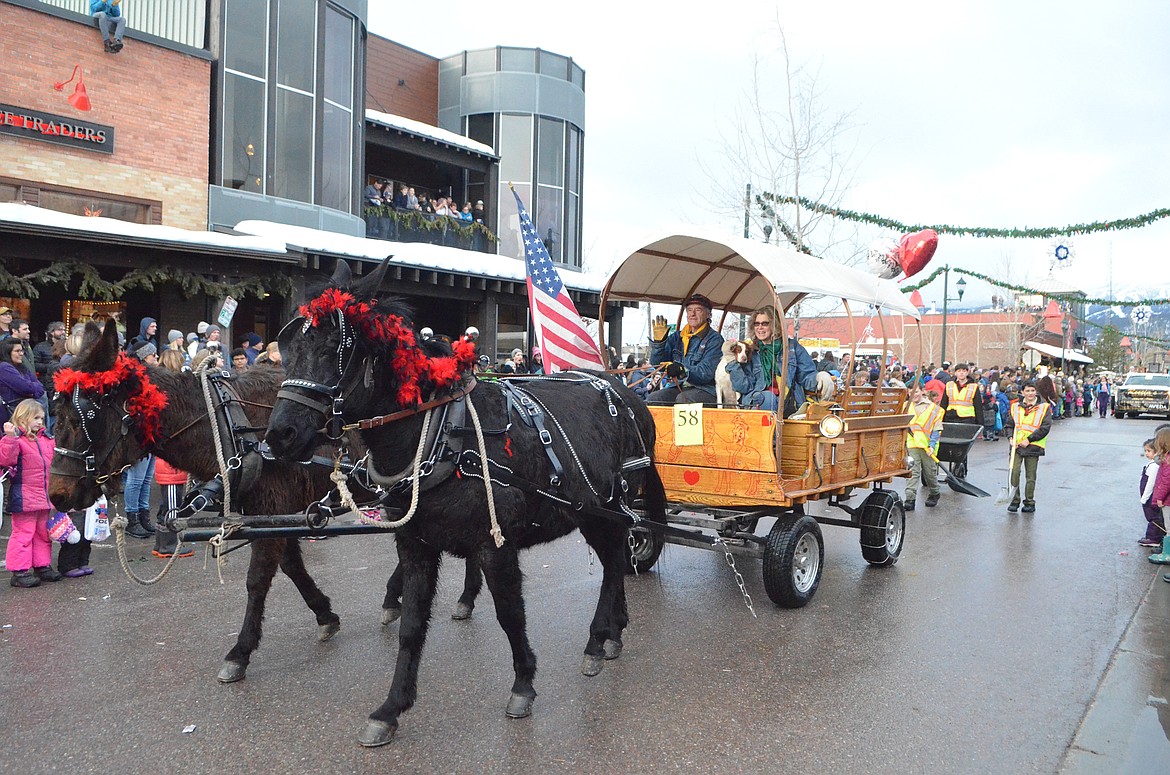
1127	726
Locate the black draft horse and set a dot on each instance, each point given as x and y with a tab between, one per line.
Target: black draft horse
354	347
184	439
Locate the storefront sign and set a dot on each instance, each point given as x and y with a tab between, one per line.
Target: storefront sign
37	125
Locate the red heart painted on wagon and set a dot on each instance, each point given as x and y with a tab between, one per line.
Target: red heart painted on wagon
691	477
765	420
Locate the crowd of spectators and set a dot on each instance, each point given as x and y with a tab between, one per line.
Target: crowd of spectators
381	193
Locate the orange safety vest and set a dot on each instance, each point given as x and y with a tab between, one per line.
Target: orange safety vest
1028	420
962	400
922	425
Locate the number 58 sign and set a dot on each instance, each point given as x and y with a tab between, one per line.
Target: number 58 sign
688	425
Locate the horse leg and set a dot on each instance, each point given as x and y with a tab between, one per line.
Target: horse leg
293	565
261	569
472	584
611	617
420	576
392	603
504	580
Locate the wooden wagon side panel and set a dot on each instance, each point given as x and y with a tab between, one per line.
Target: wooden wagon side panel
737	439
720	486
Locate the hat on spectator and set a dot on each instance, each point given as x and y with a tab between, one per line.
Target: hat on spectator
253	339
62	530
211	328
479	201
174	334
202	327
5	310
145	351
536	351
484	360
192	337
698	298
516	352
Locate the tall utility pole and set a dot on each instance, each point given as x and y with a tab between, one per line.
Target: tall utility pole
747	211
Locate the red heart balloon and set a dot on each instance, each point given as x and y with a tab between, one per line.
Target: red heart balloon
915	250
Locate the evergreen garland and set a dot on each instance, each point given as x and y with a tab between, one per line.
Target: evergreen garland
420	221
93	286
1075	297
1134	222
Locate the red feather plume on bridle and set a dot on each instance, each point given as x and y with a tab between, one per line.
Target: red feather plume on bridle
144	405
415	370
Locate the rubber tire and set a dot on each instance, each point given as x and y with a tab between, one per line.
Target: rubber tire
958	469
793	535
881	546
647	546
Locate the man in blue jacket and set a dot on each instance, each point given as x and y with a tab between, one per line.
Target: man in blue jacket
110	21
693	353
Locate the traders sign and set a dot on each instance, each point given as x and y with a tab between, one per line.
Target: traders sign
37	125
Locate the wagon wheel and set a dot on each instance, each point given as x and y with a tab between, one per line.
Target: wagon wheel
643	549
960	469
793	558
883	526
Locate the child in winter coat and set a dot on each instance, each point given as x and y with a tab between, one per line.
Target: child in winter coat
1155	529
26	448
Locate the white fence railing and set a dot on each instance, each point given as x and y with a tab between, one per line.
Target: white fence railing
182	21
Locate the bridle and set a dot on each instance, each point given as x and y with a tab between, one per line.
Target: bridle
332	407
87	412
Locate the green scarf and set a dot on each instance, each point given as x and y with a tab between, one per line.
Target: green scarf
770	355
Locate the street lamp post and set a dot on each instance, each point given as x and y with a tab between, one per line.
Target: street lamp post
1064	345
961	287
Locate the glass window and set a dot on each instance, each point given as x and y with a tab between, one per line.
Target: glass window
549	219
245	47
82	204
577	75
554	64
572	218
573	183
509	222
293	143
296	43
243	133
515	148
550	164
338	57
336	158
517	60
482	61
480	128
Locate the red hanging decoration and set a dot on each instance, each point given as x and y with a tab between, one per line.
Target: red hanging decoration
414	369
145	405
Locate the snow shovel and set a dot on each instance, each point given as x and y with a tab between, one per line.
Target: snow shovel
1008	493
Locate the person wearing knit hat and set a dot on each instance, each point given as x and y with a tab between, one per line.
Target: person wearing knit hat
537	364
201	329
147	353
252	344
175	335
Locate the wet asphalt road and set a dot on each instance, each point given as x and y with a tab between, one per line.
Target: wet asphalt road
982	650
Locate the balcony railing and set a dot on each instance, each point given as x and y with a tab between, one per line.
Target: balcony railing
181	21
412	226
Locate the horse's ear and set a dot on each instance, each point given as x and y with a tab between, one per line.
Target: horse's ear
367	287
105	347
342	276
91	334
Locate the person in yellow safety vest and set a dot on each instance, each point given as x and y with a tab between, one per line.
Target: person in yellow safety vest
1029	421
963	399
922	447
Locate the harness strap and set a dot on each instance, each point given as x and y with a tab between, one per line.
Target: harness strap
533	416
375	422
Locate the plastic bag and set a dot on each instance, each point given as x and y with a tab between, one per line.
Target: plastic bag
97	520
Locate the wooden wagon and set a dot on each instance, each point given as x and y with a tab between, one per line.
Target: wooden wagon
742	465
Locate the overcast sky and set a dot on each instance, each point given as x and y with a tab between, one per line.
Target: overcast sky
989	113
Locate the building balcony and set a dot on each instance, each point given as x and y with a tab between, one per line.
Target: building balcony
412	226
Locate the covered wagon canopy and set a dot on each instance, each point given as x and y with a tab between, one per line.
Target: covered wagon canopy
739	275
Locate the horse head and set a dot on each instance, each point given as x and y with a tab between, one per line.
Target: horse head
107	416
350	355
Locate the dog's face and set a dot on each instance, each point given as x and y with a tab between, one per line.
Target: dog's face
734	349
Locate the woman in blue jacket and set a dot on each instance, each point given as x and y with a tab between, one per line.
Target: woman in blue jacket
755	378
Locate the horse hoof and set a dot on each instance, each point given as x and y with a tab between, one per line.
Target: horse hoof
462	611
591	666
231	672
327	631
376	733
612	649
390	615
519	706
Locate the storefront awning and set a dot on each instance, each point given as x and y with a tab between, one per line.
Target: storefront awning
1056	352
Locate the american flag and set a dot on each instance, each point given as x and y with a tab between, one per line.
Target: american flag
563	339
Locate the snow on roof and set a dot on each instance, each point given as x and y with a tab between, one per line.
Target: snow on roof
415	254
1052	285
428	131
103	228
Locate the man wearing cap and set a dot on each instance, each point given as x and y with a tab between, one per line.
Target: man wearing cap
692	352
5	321
252	343
537	365
963	399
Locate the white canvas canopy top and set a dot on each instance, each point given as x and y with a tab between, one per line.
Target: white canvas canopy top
739	275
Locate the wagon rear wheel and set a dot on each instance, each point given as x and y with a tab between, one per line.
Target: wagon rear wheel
959	469
883	528
793	558
643	549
